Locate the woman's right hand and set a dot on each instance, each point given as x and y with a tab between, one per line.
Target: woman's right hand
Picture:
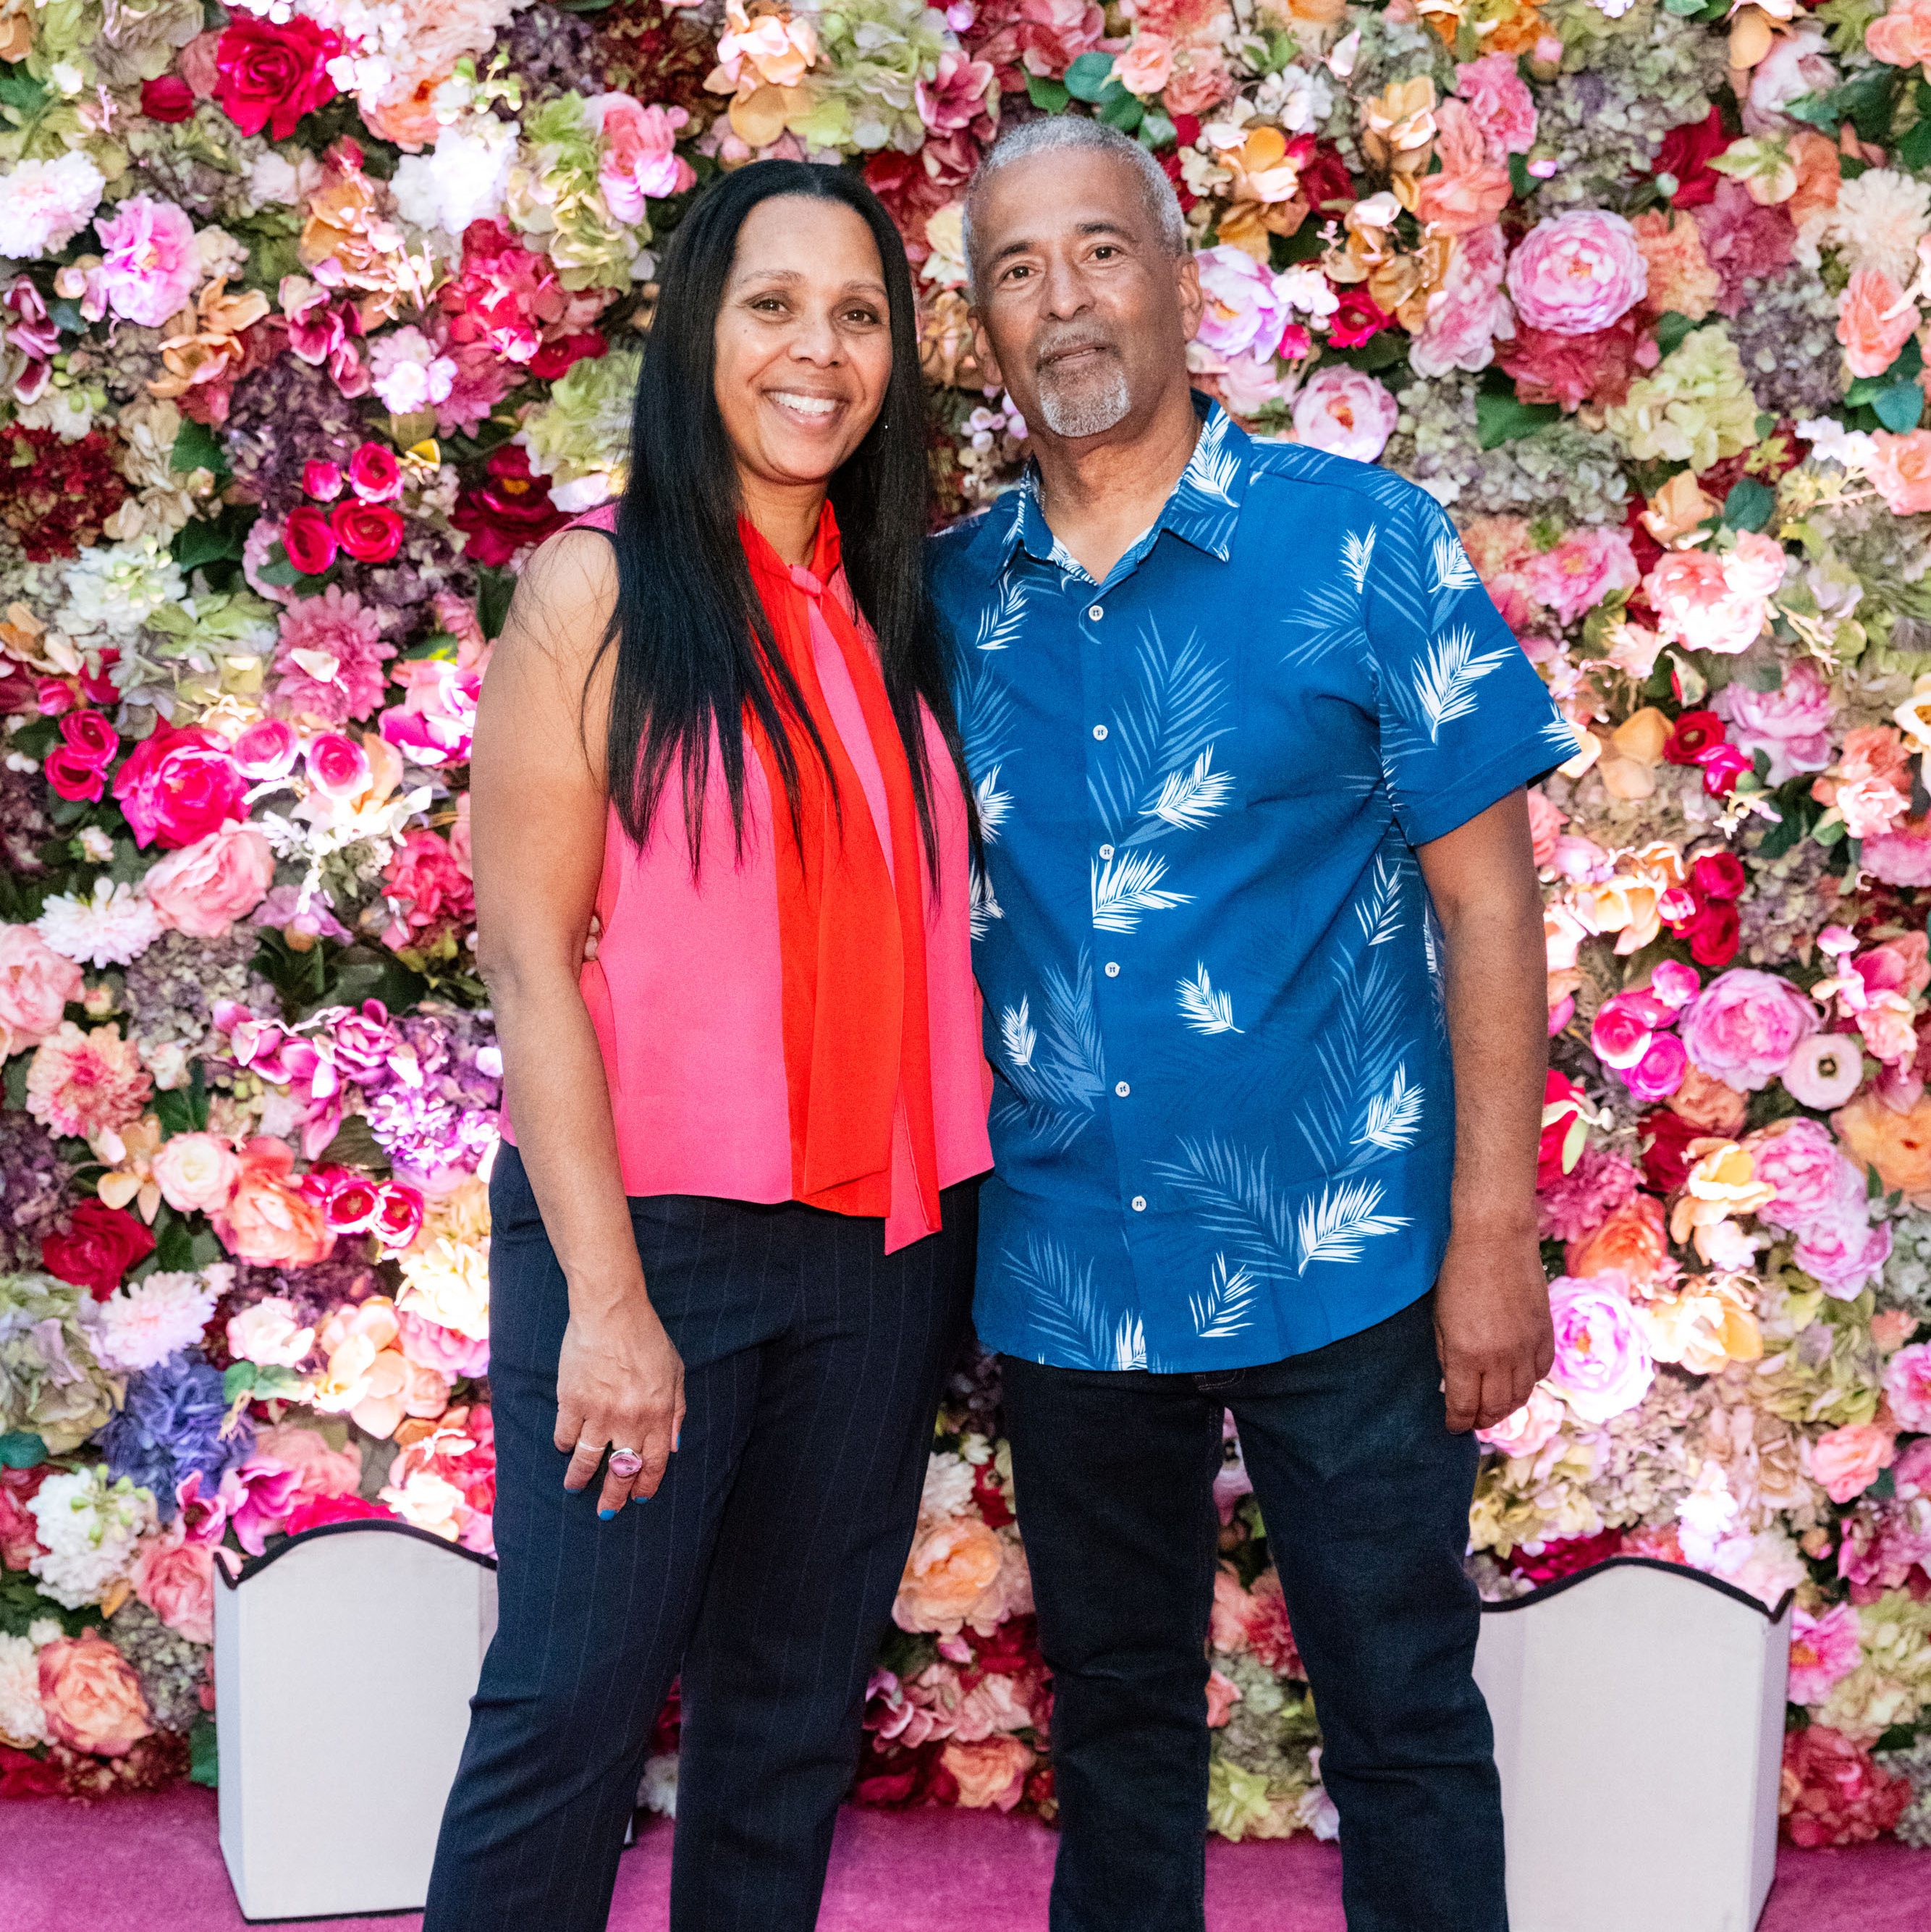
619	1385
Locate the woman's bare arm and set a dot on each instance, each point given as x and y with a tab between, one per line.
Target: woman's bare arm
537	805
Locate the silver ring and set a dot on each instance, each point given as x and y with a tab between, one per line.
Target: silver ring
625	1463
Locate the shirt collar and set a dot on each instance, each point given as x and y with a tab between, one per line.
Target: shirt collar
1202	509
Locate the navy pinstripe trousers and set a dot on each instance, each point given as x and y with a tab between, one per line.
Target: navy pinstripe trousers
763	1569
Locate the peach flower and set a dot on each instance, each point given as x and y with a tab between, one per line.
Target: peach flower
36	985
268	1219
322	1472
1680	278
92	1697
368	1378
1898	1145
196	1173
1473	188
1709	1103
1705	1324
990	1773
1874	321
1903	38
1146	66
86	1084
1723	1183
950	1568
1529	1430
1900	466
1847	1460
1632	1242
204	888
175	1580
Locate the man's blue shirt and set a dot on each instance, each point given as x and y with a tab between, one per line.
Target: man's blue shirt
1223	1117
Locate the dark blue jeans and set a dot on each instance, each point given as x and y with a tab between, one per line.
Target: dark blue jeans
1365	1497
764	1567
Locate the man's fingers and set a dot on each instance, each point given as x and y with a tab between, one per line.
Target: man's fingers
1461	1386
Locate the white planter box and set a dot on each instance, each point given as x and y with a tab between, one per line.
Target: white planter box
1638	1711
344	1662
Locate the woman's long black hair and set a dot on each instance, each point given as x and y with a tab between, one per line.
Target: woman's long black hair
695	651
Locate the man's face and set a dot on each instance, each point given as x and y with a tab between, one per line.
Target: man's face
1086	314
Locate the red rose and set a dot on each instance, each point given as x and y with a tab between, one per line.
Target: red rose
169	98
1713	933
370	532
100	1245
92	736
178	786
509	510
1719	875
74	776
1686	153
374	474
1665	1141
309	540
1358	317
270	77
554	359
1722	765
1694	733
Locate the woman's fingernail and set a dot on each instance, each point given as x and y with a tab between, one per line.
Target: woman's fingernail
606	1514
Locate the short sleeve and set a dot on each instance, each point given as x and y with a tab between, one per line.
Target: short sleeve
1464	718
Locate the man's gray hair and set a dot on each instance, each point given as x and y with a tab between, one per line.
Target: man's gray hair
1054	131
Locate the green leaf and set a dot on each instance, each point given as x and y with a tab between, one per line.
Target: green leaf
495	587
19	90
238	1379
1521	183
1914	146
1900	407
1124	111
1156	130
1500	419
203	1759
22	1449
196	447
1748	505
1671	328
198	543
1088	78
174	1244
1048	96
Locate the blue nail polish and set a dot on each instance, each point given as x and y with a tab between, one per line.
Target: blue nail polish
606	1514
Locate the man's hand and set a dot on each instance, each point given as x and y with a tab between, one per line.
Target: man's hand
1491	1324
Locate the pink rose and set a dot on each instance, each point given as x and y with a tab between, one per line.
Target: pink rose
36	985
1529	1430
1847	1460
1602	1365
321	479
268	749
1470	311
1053	34
1843	1247
196	1173
1907	1386
1623	1026
92	1697
1660	1071
178	786
322	1472
1499	100
337	766
1585	567
1147	65
1901	468
1824	1651
204	888
640	161
149	266
1799	1159
1874	321
1791	724
175	1580
1576	273
1716	602
1743	1026
1245	312
1345	411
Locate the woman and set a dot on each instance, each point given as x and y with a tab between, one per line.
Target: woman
733	1241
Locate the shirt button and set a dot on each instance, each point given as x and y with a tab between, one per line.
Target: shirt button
1105	851
1099	730
1095	612
1123	1090
1139	1203
1112	969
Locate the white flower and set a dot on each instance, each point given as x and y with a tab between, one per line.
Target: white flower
118	588
406	372
949	1483
22	1721
113	925
273	181
463	180
148	1320
92	1529
1878	221
44	205
67	411
1831	441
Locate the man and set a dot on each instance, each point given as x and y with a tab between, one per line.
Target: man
1262	959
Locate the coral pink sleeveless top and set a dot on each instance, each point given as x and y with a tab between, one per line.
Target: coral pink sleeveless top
687	992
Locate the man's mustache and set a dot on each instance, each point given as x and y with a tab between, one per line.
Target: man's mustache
1056	347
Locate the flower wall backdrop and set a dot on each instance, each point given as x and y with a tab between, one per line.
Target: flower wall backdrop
315	314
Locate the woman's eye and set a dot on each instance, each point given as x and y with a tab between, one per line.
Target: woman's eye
861	315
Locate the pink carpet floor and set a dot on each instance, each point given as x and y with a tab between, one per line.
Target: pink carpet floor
151	1865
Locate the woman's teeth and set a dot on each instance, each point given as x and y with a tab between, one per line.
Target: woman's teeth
805	406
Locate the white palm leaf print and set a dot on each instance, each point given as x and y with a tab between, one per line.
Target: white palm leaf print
993	805
1330	616
1203	1007
1182	701
986	711
1066	1311
1126	887
1230	1190
1018	1034
1000	622
1214	469
1188	799
1393	1118
1357	552
1334	1227
1130	1342
1356	1059
1453	570
1379	910
1560	737
984	907
1445	680
1057	1085
1225	1308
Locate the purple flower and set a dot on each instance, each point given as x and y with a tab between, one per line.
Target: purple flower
170	1426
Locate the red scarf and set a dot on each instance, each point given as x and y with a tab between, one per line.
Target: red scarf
851	933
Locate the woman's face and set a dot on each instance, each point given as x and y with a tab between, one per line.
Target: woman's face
803	340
